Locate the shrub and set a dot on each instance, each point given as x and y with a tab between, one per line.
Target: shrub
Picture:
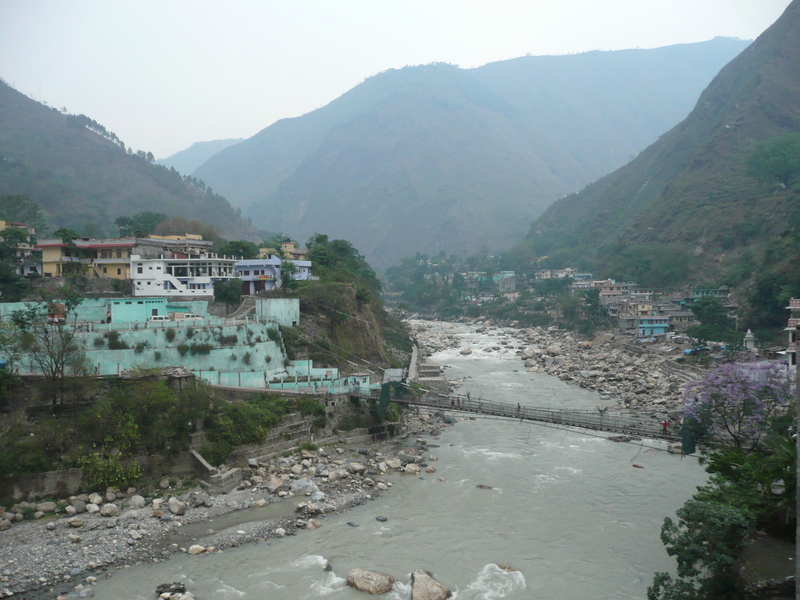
157	356
200	348
189	333
346	423
99	341
140	347
274	335
268	359
227	340
100	472
246	358
115	343
183	349
308	447
170	333
234	357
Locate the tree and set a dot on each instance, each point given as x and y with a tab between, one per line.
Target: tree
715	324
288	271
66	235
10	343
13	286
734	403
228	291
246	250
777	160
141	224
51	340
15	208
707	542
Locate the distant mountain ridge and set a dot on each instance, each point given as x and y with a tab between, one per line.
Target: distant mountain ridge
690	190
187	160
84	181
436	158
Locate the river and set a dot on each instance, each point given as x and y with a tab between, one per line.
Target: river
567	509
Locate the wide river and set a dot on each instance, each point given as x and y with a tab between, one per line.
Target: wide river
567	509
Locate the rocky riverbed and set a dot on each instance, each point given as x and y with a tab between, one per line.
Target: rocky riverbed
73	542
630	374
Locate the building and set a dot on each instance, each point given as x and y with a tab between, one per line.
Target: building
87	257
302	270
180	274
652	325
290	251
259	274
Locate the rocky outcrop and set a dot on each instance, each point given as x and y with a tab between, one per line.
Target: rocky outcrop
370	581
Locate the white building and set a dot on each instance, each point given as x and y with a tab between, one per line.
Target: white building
180	275
794	332
303	272
259	274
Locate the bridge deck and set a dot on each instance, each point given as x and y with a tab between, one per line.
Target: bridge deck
625	422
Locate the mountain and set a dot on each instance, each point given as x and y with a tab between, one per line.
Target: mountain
186	161
435	157
83	178
686	203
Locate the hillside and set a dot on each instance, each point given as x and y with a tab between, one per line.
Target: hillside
687	202
84	180
435	157
186	161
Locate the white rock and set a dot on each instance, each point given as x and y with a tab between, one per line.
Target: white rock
196	549
92	508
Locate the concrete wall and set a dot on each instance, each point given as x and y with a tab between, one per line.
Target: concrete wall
284	311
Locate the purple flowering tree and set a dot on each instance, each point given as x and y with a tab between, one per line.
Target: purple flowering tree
735	402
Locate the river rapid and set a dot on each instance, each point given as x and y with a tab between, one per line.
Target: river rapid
567	509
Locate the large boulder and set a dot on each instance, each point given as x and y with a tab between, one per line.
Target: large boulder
356	468
304	486
95	498
274	484
176	507
425	587
370	581
136	502
554	350
394	463
109	510
46	507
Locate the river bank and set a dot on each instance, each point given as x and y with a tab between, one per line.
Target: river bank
63	554
627	374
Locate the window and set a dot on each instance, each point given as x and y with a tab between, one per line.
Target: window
119	271
105	270
139	268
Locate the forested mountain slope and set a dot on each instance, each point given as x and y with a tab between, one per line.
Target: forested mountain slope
687	205
82	176
440	158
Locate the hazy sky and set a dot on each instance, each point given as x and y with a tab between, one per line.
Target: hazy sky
163	74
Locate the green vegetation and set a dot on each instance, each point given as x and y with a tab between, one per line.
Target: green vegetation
715	324
777	160
228	291
115	341
752	481
139	225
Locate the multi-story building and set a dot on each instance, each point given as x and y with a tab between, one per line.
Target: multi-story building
259	274
652	325
86	257
179	274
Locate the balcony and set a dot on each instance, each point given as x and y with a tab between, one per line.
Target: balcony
794	323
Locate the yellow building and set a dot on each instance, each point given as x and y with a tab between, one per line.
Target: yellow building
88	258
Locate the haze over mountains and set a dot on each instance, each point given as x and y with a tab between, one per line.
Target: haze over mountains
437	158
689	192
83	180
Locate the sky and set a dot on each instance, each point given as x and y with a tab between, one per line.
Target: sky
165	74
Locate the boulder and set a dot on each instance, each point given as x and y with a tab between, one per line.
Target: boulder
425	587
70	510
412	469
75	522
274	484
466	352
176	507
370	581
95	499
313	524
394	463
304	486
109	510
79	506
92	508
356	468
554	350
196	549
136	502
297	469
46	507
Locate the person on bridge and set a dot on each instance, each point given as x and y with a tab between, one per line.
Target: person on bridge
518	407
665	425
452	403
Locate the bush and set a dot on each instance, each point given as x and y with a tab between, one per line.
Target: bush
170	334
200	348
157	355
392	412
308	447
100	472
99	341
246	358
274	335
183	349
140	347
189	333
114	341
346	423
